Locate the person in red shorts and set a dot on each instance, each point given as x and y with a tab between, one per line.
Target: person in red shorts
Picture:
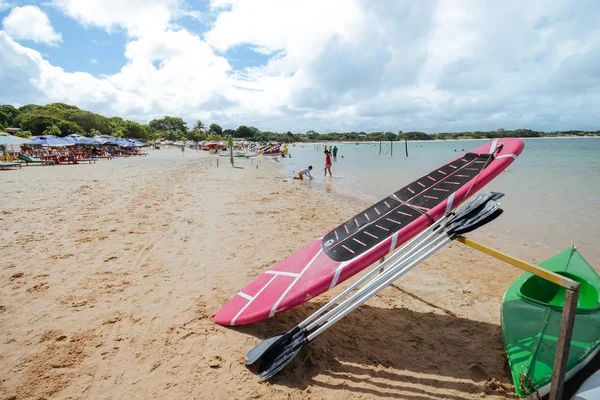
328	163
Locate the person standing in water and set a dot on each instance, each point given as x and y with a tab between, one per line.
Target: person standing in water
327	163
335	152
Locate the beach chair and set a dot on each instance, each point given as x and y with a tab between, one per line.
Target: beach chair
88	159
117	155
6	164
32	160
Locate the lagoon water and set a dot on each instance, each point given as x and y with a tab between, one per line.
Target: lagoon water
552	190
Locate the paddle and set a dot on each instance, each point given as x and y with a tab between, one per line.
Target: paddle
274	353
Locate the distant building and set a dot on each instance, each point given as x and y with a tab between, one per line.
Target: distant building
362	136
12	131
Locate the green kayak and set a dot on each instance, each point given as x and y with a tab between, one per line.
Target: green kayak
531	316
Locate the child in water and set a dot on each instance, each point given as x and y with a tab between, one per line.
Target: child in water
327	163
305	171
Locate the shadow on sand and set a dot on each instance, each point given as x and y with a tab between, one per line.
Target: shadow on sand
386	352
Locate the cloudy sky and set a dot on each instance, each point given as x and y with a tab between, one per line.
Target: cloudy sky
327	65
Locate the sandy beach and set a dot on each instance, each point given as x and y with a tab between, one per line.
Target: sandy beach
110	273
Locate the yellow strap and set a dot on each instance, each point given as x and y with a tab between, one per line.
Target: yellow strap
524	265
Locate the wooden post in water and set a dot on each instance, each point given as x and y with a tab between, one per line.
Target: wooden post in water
391	148
406	146
379	146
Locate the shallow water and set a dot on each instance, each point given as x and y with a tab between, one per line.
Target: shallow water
552	189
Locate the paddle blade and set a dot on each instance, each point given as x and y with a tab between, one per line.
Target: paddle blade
279	354
474	206
488	213
274	341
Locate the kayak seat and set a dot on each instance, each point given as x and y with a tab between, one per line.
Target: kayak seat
539	290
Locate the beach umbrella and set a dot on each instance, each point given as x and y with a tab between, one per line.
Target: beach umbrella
51	140
78	139
8	139
118	142
101	139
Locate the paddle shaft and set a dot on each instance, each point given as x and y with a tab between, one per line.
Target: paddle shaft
355	303
395	267
399	264
309	321
394	272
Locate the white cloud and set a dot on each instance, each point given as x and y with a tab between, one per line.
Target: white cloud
335	65
30	23
137	17
5	5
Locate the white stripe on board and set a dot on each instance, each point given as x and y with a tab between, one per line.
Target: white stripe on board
336	276
246	296
449	203
250	302
358	241
394	241
494	144
507	155
292	274
274	308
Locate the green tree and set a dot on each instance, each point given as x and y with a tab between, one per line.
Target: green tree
135	130
244	132
216	128
88	120
390	136
12	113
52	130
199	125
62	106
2	128
4	118
259	137
214	136
36	123
29	108
168	123
196	135
68	127
416	136
171	135
24	134
117	126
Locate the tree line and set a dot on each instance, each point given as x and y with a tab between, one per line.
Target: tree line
63	119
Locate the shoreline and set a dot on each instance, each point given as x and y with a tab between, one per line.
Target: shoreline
114	270
438	140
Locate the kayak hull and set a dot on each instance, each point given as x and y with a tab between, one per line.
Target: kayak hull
330	260
531	318
590	389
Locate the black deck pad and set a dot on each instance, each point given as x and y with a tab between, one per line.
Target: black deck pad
399	209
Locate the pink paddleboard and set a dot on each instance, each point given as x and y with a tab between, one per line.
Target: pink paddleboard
368	236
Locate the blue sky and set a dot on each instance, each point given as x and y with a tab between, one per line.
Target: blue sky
297	65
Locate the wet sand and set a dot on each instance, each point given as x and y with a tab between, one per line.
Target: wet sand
110	274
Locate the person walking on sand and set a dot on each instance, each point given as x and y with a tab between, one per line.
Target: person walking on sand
327	163
305	171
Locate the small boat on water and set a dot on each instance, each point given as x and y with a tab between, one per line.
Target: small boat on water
273	151
531	317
